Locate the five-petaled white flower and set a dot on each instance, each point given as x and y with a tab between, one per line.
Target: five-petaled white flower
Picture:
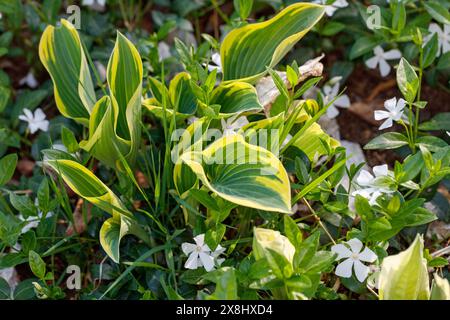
353	255
380	58
394	112
330	91
35	122
443	36
200	254
233	124
330	9
215	58
373	186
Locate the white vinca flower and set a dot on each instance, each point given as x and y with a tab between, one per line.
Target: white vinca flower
443	36
394	112
215	58
233	124
29	80
200	254
163	51
380	59
93	3
351	252
330	91
330	9
36	121
373	186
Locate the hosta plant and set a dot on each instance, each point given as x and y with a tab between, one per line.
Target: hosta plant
223	175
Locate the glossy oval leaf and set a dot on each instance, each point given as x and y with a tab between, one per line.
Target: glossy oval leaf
242	173
246	52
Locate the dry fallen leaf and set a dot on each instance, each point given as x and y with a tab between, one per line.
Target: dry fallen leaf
25	167
80	225
268	91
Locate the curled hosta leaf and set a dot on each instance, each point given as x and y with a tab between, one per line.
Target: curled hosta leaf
246	52
236	97
440	289
61	53
404	276
242	173
314	141
84	183
264	239
114	123
180	97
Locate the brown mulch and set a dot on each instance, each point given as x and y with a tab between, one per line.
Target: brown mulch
368	91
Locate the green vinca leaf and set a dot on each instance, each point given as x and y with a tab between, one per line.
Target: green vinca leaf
242	173
246	52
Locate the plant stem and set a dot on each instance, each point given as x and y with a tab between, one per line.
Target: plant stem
318	220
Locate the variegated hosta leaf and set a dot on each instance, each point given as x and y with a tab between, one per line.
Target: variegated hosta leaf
314	141
236	97
242	173
114	125
440	288
246	52
61	53
180	97
84	183
404	276
265	132
191	139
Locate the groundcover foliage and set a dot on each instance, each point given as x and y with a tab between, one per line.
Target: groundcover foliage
176	165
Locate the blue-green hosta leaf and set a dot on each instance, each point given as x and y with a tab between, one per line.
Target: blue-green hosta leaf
242	173
114	124
236	97
246	52
404	276
84	183
61	53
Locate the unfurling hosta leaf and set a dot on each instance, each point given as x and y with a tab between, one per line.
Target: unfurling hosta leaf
265	239
440	289
404	276
315	141
113	120
180	97
61	53
114	124
242	173
246	52
84	183
236	97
